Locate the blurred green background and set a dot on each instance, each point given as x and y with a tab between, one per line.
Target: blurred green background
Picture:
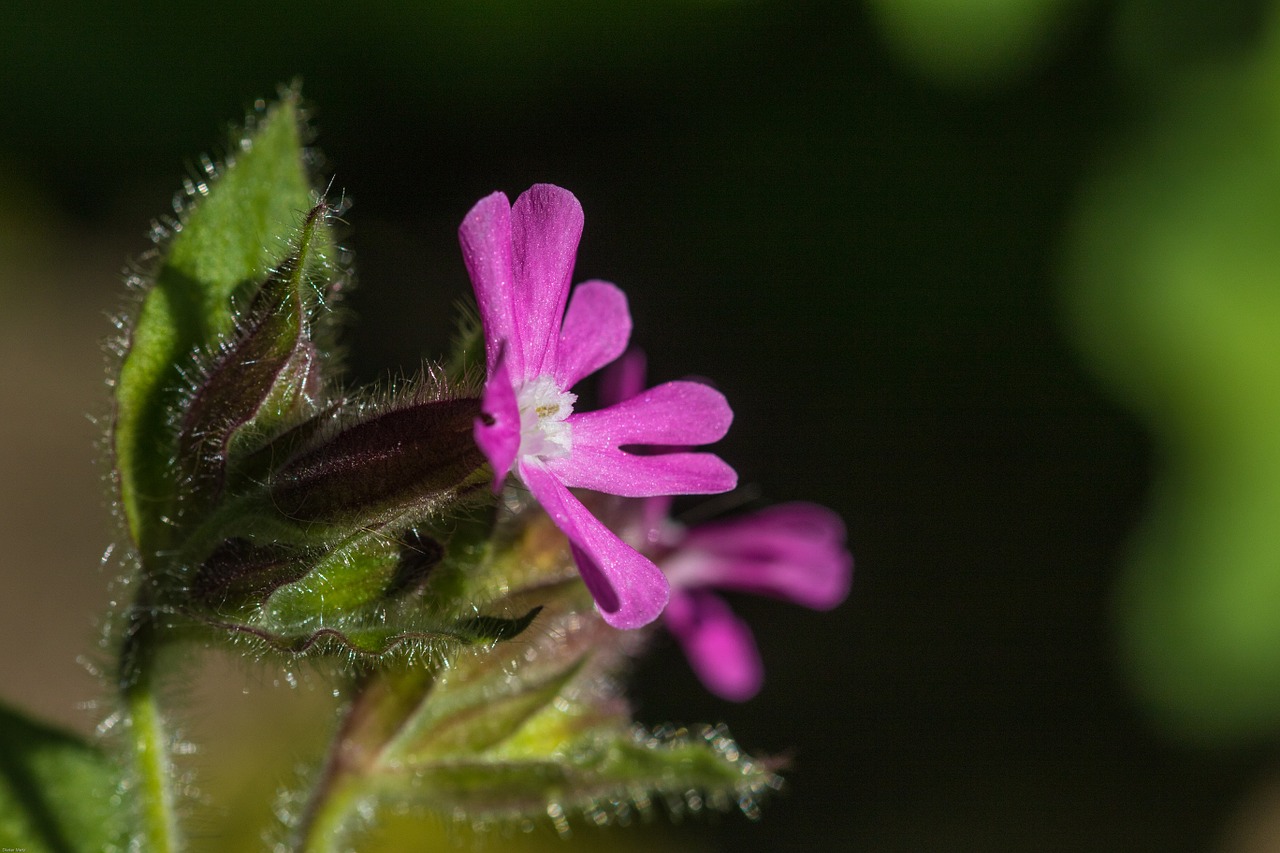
999	280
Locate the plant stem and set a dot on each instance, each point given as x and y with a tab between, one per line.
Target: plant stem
329	807
148	738
383	701
325	823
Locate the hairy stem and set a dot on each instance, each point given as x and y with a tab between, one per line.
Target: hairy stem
148	739
381	704
324	822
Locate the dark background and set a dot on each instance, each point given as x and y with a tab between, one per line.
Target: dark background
862	256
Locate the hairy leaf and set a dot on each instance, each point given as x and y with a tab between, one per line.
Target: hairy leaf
538	729
229	241
600	778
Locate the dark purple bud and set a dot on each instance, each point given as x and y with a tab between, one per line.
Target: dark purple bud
239	570
270	364
256	466
404	459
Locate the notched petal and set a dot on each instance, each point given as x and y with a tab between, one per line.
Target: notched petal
629	590
596	328
795	552
546	225
720	646
674	414
485	236
639	475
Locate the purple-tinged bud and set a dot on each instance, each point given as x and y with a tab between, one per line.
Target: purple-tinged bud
407	459
268	368
239	570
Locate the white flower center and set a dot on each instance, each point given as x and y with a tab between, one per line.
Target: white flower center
543	409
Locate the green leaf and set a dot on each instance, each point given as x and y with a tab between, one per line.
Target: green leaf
373	632
57	794
537	729
600	778
533	729
231	240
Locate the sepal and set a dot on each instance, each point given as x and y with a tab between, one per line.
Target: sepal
374	633
337	545
406	460
369	596
538	729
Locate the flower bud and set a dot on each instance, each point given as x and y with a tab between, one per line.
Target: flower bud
266	371
408	459
240	570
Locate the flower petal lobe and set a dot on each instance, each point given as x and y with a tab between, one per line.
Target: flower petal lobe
629	590
720	647
597	326
546	225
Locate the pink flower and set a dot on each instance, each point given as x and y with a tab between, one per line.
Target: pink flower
520	259
792	551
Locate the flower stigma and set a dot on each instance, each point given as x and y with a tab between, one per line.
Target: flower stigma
543	408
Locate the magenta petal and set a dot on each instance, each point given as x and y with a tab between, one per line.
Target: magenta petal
800	524
624	378
794	552
497	430
719	645
674	414
546	225
629	590
485	235
616	472
597	326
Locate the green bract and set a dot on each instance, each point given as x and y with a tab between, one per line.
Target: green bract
535	728
241	226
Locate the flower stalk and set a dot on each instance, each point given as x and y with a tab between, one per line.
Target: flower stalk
148	738
381	702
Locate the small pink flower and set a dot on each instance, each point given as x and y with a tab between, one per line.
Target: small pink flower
794	551
538	345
